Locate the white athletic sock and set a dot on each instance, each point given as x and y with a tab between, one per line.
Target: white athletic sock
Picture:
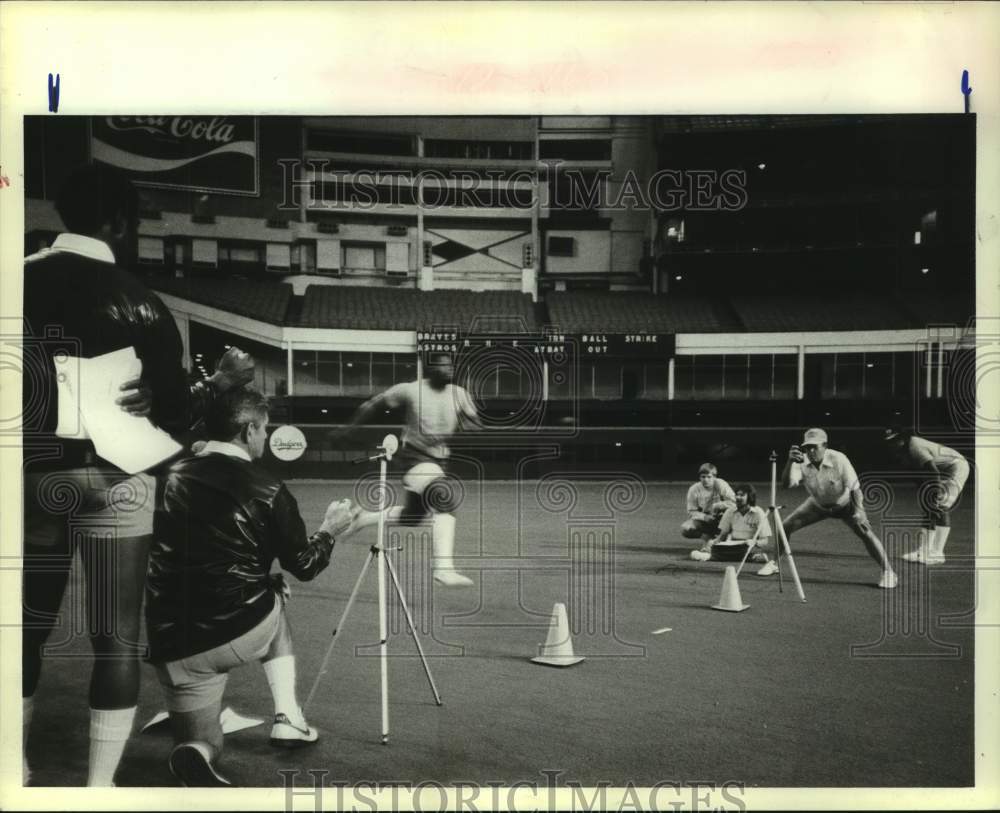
443	529
939	540
281	678
109	731
27	711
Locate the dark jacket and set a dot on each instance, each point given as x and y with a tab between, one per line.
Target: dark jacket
223	522
85	308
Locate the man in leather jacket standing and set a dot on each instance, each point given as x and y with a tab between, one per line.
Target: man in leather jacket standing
212	603
80	300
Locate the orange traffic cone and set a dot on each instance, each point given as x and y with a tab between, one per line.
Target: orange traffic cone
730	598
558	648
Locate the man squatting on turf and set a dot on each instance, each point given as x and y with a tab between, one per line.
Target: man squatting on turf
740	526
945	468
707	501
834	492
212	603
435	408
74	501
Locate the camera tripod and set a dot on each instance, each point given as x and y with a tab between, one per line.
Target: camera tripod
379	555
781	538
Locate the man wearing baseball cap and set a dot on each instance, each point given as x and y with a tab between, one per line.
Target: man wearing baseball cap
834	492
947	471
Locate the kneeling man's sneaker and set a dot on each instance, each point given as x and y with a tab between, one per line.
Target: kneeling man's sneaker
191	764
285	734
769	569
701	555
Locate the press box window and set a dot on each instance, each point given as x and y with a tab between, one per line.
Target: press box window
151	250
279	256
561	246
205	253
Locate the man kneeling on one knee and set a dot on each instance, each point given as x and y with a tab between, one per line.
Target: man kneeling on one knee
740	527
212	603
707	501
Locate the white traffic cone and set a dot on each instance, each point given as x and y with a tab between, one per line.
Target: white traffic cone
558	647
730	599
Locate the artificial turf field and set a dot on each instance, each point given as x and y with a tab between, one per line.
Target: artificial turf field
770	697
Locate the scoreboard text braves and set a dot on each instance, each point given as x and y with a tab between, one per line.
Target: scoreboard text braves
581	345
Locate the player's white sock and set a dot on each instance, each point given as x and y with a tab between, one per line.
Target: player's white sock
923	546
444	549
109	731
281	678
27	711
939	540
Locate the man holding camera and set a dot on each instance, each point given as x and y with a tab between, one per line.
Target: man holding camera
834	493
212	603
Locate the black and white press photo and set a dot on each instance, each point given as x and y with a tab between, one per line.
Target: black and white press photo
573	458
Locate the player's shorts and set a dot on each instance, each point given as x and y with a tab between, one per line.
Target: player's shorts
430	489
199	681
954	482
811	512
99	501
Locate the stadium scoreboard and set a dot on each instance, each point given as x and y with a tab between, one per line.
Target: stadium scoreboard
582	345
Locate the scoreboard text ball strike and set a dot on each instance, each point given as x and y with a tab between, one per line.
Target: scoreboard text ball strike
642	345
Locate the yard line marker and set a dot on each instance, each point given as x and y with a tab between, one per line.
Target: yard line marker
662	630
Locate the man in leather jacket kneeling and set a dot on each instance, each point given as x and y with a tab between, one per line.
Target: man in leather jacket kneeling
212	603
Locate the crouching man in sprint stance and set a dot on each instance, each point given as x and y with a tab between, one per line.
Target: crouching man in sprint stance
834	493
435	408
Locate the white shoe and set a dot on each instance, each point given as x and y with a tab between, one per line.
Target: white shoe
924	557
769	569
451	578
888	580
701	555
286	734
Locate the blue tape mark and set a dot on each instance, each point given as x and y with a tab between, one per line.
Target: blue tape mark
966	90
54	94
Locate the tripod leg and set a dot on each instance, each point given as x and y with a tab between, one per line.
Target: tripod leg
788	553
336	630
750	547
777	545
413	629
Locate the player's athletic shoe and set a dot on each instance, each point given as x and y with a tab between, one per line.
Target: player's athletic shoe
924	557
285	734
452	578
888	580
701	555
191	763
769	569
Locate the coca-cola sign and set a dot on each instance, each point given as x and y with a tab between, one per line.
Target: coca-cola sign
196	153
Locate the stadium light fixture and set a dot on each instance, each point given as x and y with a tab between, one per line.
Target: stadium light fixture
678	278
925	270
618	443
761	166
324	411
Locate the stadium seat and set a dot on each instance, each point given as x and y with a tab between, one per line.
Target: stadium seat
588	311
266	301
